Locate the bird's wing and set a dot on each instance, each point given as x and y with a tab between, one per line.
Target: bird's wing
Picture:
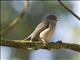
39	28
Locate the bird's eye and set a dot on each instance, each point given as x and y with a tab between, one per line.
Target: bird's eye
51	17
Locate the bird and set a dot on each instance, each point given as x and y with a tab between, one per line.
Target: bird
44	29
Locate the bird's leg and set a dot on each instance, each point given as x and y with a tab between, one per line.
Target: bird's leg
41	45
44	42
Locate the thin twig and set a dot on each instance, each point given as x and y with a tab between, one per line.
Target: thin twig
69	10
22	44
12	24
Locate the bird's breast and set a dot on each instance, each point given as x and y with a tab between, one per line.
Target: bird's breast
46	34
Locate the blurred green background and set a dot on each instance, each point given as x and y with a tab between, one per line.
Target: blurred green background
67	28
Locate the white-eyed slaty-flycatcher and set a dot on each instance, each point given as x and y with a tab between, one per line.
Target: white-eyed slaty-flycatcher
44	30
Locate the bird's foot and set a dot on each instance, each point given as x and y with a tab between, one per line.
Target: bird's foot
44	42
39	44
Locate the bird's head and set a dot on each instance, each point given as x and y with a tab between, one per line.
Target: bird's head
52	18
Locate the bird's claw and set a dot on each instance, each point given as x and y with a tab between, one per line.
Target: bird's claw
44	42
41	44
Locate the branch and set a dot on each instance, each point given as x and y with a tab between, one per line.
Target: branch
12	24
37	45
69	10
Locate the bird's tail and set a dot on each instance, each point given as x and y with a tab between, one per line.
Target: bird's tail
28	38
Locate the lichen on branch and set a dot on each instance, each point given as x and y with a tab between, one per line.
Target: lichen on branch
25	44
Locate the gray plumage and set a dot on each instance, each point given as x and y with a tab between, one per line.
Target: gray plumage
49	22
